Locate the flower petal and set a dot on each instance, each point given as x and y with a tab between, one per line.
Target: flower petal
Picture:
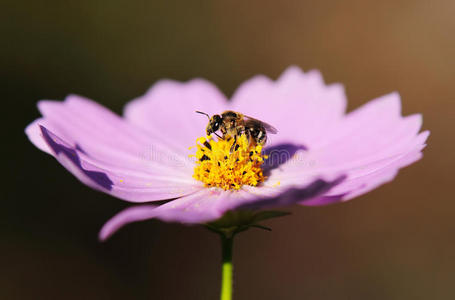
270	197
210	204
69	158
369	179
35	135
197	208
106	135
87	138
169	107
298	104
370	146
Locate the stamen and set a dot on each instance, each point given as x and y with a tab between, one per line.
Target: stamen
221	165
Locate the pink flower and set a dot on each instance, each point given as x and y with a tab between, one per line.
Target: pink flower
320	155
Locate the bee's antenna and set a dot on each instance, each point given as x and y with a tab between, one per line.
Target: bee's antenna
203	113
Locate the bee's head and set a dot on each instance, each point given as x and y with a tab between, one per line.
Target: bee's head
214	124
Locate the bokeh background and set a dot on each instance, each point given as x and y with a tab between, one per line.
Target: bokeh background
396	242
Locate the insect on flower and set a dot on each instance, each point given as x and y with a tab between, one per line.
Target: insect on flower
234	180
338	156
233	124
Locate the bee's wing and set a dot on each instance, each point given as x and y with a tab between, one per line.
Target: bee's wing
269	128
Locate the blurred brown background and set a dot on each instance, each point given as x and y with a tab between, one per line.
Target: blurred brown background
396	242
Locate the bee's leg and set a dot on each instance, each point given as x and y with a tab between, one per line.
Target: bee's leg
234	144
220	137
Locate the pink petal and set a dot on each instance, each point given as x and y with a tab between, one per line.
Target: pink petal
197	208
108	154
298	104
168	109
210	204
34	134
267	197
106	135
371	145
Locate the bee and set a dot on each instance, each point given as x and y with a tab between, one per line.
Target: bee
233	124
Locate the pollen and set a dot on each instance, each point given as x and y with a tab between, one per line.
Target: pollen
220	164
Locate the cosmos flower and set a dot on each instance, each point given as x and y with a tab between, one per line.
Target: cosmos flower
321	155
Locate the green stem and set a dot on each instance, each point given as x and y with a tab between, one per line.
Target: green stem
226	280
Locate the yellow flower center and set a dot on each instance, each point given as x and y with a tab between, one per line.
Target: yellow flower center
219	164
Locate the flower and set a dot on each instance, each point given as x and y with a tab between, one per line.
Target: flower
321	155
